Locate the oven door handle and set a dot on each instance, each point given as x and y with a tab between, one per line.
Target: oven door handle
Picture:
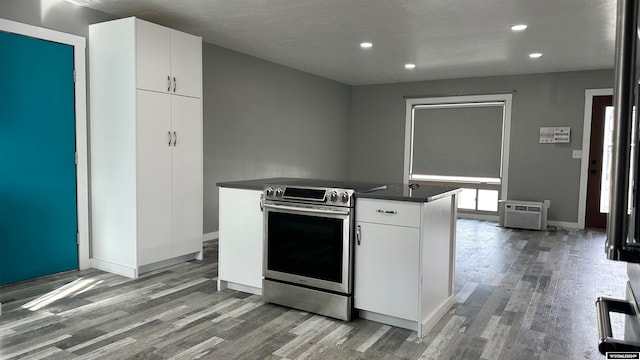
607	343
307	210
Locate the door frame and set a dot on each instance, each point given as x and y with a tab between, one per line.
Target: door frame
82	175
586	140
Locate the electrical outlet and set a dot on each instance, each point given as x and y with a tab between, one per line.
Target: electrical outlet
577	154
547	203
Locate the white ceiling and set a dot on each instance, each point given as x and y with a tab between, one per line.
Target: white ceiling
444	38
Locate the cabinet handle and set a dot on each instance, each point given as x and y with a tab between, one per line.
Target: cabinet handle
392	212
175	138
169	133
168	83
175	84
358	234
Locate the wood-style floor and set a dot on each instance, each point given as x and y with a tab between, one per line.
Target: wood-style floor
520	295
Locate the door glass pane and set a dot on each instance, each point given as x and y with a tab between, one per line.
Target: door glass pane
607	144
487	200
467	199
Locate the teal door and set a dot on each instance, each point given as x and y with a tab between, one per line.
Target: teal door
38	222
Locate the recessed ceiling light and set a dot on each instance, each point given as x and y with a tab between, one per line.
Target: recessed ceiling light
518	27
366	45
535	55
409	66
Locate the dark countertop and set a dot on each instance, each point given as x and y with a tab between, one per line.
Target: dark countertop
399	192
402	192
255	184
258	184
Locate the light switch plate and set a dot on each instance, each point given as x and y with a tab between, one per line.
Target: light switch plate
577	154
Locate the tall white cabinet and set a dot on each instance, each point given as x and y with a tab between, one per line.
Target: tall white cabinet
146	146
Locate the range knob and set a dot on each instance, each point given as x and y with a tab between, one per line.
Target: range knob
333	196
278	192
344	197
268	191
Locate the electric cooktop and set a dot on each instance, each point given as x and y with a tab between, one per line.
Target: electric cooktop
361	187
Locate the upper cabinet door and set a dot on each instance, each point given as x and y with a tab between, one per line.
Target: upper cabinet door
153	61
186	64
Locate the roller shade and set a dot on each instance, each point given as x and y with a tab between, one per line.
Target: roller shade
458	140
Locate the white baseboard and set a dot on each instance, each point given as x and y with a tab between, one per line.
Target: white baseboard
433	318
210	236
565	224
389	320
483	217
222	284
168	262
560	224
113	268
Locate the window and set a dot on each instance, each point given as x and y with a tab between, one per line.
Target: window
460	141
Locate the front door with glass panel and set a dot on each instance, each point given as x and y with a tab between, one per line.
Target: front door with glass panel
597	206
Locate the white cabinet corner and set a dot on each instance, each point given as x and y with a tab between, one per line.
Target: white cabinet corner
240	240
404	261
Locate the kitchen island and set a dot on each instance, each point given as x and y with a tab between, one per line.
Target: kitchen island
404	249
405	255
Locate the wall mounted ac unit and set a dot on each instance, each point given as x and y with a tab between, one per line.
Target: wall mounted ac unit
523	214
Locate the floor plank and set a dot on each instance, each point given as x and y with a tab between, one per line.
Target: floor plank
519	295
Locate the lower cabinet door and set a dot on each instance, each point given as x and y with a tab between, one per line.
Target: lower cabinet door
153	177
186	171
387	270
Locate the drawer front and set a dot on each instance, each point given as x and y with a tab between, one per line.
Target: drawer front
400	213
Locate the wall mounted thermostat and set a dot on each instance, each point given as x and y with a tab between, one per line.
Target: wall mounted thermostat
554	135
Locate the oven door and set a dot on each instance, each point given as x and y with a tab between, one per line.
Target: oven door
308	245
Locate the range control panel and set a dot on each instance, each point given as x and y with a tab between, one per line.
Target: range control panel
327	196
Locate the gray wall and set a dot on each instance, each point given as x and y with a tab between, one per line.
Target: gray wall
52	14
536	172
266	120
260	119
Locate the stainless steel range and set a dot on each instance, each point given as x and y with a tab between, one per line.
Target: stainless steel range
308	245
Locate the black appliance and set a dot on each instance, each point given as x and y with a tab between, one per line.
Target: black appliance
623	227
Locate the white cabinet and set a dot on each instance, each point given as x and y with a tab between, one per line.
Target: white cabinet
154	220
386	277
169	143
240	240
146	152
404	261
186	169
165	60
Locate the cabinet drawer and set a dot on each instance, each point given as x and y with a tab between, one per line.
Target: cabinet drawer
389	212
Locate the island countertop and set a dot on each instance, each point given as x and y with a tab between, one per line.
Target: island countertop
255	184
402	192
398	192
